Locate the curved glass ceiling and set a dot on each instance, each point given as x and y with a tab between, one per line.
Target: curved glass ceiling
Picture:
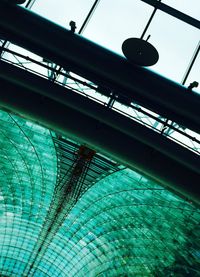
123	225
27	180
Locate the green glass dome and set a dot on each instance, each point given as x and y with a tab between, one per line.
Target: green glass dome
28	177
123	224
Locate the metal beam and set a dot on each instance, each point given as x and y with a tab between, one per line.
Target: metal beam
104	130
100	65
173	12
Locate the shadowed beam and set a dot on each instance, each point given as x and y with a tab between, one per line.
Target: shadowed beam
103	67
104	130
173	12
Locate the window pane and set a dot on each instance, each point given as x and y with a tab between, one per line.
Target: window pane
63	11
112	24
175	42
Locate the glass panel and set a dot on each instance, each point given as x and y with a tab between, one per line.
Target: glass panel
175	42
112	24
27	180
122	223
63	11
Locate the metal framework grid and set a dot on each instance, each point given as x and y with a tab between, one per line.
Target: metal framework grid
123	223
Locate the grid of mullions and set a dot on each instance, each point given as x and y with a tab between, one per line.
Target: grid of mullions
124	224
27	180
99	167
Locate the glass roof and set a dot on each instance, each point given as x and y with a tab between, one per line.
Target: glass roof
28	177
111	232
123	223
120	223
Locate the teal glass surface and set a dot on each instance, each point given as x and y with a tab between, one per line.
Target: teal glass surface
27	181
123	225
126	225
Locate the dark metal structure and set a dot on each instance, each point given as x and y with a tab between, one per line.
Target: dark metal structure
99	65
103	129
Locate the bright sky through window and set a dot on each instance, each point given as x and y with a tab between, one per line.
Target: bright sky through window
111	24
